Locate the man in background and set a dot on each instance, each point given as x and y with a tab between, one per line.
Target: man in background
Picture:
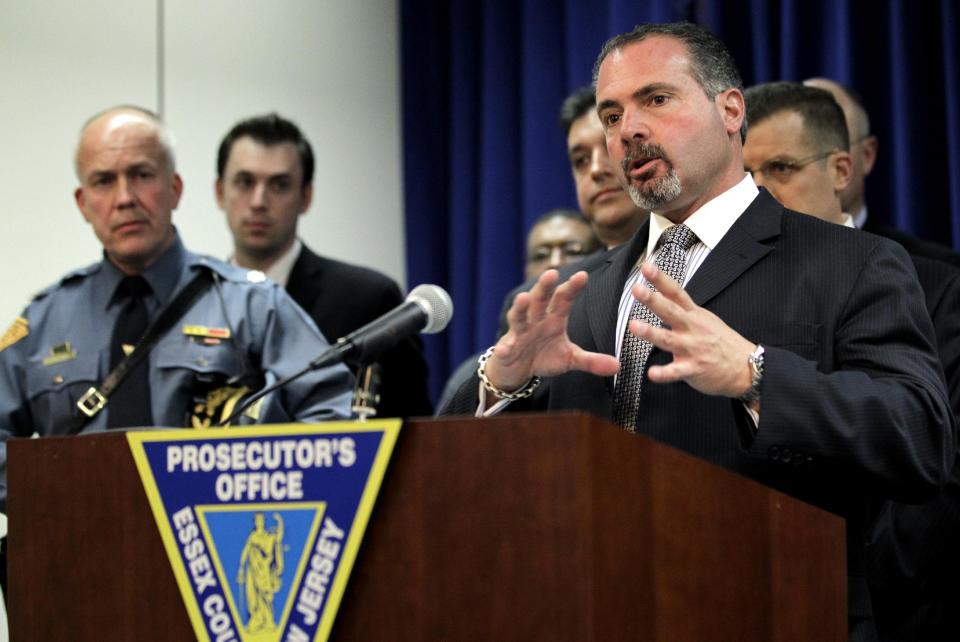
864	147
264	184
559	237
611	212
797	148
613	216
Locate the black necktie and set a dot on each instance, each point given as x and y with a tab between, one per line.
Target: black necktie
130	403
634	351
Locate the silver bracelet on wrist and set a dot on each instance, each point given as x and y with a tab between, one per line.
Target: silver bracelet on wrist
521	393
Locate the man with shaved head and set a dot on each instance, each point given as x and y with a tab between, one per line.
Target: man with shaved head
235	333
128	186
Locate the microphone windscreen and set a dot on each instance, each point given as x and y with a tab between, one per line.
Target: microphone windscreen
437	305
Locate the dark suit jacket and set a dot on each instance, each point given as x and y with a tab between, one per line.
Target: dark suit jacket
341	298
913	245
853	405
941	288
913	556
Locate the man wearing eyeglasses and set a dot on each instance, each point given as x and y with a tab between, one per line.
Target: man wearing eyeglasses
863	152
797	148
557	238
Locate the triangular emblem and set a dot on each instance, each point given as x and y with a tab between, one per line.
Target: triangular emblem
262	525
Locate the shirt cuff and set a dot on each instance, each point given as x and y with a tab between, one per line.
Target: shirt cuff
492	410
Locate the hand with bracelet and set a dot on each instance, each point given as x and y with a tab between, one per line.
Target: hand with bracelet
537	343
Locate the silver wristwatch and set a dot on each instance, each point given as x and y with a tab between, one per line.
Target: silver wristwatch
756	376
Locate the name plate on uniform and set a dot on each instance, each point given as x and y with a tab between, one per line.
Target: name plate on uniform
262	524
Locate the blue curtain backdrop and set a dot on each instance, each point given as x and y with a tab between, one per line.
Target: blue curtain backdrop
484	155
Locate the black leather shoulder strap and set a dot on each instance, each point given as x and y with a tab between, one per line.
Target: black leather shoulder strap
95	399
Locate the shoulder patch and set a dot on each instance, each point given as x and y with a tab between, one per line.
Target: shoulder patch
19	329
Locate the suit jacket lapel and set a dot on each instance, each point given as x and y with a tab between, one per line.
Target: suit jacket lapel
744	244
301	284
606	288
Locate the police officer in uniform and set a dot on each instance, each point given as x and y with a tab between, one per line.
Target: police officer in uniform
241	332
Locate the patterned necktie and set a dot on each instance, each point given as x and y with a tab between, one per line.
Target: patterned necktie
130	402
634	351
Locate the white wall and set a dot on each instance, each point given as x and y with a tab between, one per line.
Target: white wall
332	66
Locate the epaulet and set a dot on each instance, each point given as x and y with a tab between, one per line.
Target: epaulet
67	279
229	272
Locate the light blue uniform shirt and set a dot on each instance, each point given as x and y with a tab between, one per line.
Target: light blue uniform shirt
42	377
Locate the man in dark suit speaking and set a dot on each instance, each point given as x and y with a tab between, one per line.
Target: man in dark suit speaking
796	352
264	183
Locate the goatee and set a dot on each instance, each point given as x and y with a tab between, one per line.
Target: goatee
651	194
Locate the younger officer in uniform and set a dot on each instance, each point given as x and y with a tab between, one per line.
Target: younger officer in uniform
241	332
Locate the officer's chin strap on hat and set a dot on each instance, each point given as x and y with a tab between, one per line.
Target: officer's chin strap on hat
95	399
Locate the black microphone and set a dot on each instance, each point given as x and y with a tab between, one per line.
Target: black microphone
428	309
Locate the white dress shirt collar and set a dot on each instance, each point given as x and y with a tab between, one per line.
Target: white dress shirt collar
860	218
712	221
281	268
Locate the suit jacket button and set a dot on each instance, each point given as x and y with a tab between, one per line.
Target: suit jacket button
774	453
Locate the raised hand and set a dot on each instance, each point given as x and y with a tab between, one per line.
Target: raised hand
537	342
707	353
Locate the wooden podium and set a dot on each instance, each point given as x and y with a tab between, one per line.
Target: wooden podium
520	527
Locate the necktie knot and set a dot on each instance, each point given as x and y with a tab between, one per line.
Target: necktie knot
132	287
680	236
